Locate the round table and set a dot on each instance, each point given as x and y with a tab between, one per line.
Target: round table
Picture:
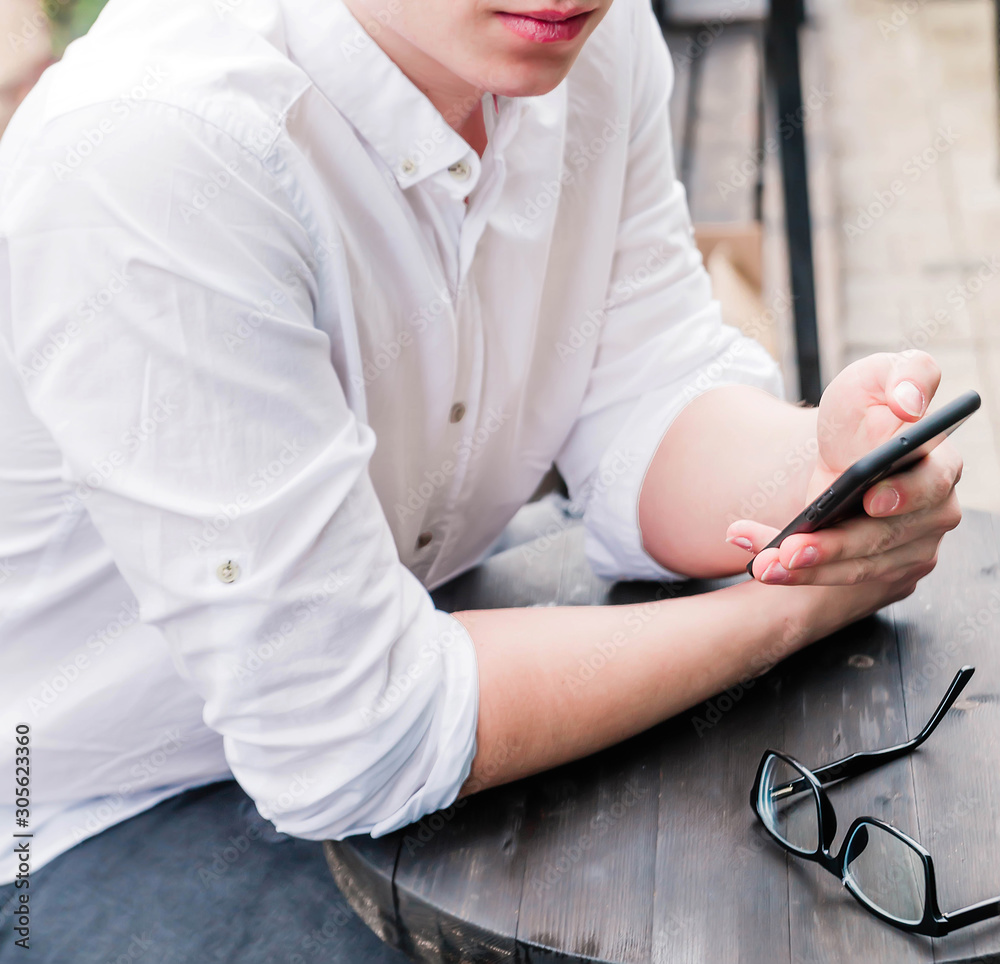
649	852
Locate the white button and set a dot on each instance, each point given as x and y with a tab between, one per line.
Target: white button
408	167
228	571
460	171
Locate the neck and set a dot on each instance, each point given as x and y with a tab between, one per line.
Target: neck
458	101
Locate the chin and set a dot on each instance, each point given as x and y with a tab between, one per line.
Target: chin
527	80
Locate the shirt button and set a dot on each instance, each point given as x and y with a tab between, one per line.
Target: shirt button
460	171
424	539
457	412
229	571
408	167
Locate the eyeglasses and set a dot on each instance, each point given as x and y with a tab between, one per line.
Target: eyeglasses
888	873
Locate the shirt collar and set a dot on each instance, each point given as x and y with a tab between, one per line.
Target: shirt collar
350	69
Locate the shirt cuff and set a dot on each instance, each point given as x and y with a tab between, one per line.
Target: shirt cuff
613	541
455	739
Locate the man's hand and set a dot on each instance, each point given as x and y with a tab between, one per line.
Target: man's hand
727	448
906	515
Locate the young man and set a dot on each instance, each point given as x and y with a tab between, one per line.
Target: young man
299	300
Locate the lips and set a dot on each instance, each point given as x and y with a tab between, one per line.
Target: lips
546	26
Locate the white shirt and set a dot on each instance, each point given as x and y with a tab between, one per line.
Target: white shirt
266	378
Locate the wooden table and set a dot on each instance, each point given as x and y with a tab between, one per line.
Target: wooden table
649	852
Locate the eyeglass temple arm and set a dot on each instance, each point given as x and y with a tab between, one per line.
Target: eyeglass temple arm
865	760
973	914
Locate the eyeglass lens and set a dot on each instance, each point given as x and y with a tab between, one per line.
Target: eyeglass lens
793	817
886	873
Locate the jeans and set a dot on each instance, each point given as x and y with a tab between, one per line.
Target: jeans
201	877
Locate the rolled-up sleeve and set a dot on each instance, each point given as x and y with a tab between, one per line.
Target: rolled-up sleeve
161	301
662	340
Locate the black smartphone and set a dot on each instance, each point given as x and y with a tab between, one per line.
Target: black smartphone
844	498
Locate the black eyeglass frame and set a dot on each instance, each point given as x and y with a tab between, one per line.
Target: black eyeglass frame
933	923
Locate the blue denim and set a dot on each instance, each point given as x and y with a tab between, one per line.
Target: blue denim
200	878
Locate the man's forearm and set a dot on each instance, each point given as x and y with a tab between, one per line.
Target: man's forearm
732	453
559	683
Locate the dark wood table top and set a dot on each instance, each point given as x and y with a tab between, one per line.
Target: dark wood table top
649	852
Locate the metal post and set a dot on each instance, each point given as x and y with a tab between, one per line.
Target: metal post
787	17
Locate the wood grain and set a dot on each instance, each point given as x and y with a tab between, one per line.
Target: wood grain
708	845
945	624
649	852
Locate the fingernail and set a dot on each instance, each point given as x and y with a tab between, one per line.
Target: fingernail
886	500
776	573
741	542
806	556
910	398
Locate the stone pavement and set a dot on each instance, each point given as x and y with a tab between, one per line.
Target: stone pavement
913	130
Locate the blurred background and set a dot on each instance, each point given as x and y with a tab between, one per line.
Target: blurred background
841	160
